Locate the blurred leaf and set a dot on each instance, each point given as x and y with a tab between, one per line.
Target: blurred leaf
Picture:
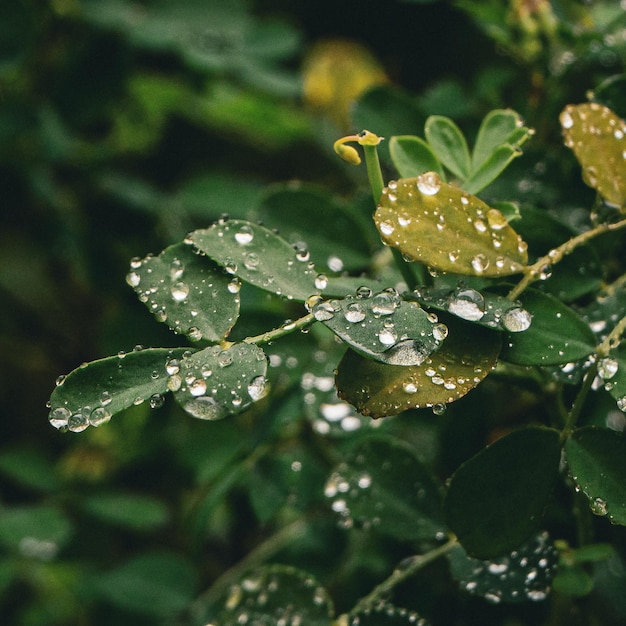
574	581
491	168
310	215
449	144
216	382
134	511
382	327
556	335
595	458
466	357
412	156
497	498
258	256
611	93
592	552
524	574
382	486
386	614
37	531
30	468
187	292
598	138
440	225
274	593
94	392
159	584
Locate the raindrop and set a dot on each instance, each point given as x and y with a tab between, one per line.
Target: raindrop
567	121
197	387
172	366
321	281
244	235
133	279
387	336
621	403
607	368
480	263
177	269
409	387
60	380
407	352
386	228
354	312
429	183
440	331
363	292
194	333
323	311
135	263
385	303
467	304
545	272
224	358
157	400
234	285
335	264
251	261
99	416
77	422
439	408
599	507
496	220
257	388
59	417
204	408
179	291
516	320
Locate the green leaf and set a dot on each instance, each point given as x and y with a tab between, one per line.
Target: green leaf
446	228
134	511
383	486
259	257
466	357
497	498
386	614
30	468
574	581
215	382
595	458
499	127
491	168
382	327
37	531
159	584
95	391
275	594
188	292
556	335
449	144
309	215
523	574
598	138
612	94
412	156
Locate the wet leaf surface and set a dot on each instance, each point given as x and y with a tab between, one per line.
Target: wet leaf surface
597	137
595	457
446	228
386	614
465	358
188	292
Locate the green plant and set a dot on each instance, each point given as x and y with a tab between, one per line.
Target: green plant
464	293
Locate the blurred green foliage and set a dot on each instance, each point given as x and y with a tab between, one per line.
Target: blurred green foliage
125	125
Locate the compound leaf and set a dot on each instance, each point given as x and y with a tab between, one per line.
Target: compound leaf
412	156
497	498
449	144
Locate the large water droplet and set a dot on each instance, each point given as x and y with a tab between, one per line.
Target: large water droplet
177	269
354	313
157	400
385	303
599	507
406	352
429	183
204	408
99	416
566	119
133	279
467	304
59	417
77	422
387	336
516	320
323	311
179	291
480	263
244	235
251	261
607	368
257	388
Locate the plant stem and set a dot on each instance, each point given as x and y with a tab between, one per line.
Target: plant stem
418	562
283	330
533	271
574	414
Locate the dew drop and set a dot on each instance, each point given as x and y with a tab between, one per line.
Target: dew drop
251	261
440	331
224	358
599	507
244	235
467	304
363	292
197	387
172	366
157	400
607	368
77	422
179	291
387	337
354	312
177	269
321	281
566	119
133	279
429	183
385	303
59	417
257	388
234	285
516	320
203	407
386	228
99	416
480	263
323	311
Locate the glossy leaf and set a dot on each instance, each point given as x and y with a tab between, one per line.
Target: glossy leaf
412	156
598	138
574	581
94	392
446	228
37	531
497	498
215	382
134	511
186	291
595	458
308	215
386	614
522	575
499	127
466	357
449	144
612	371
259	257
382	327
557	334
277	594
159	584
382	486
